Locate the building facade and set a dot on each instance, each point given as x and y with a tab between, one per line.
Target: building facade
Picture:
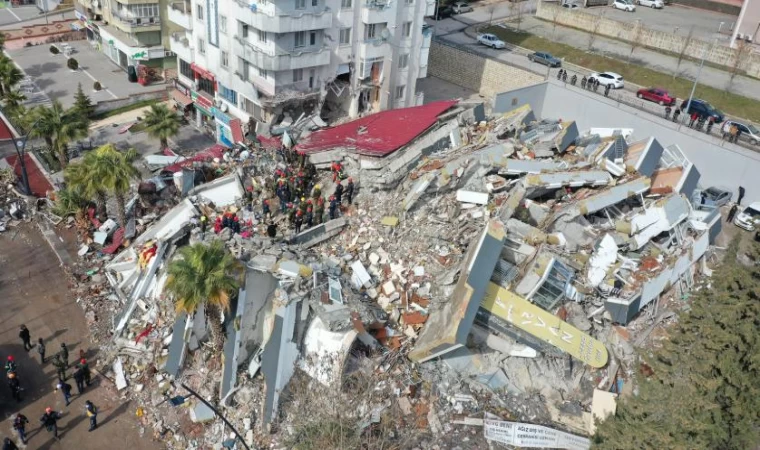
250	60
129	32
748	24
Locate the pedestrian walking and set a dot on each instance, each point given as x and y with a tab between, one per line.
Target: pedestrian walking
92	413
41	350
676	114
693	120
65	389
19	424
732	213
85	370
710	123
350	190
732	131
559	74
667	112
573	80
78	376
564	76
64	354
60	367
583	82
596	85
26	338
15	386
49	420
8	444
725	130
606	90
741	196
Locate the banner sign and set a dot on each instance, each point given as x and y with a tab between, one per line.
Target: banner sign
531	436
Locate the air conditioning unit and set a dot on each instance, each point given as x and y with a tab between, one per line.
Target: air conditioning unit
224	107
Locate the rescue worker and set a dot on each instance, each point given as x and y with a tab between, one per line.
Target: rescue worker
78	376
319	211
291	213
50	421
333	206
26	338
15	386
65	389
309	217
694	117
204	224
339	193
583	82
573	80
298	221
265	211
337	169
41	350
92	413
564	76
350	190
19	424
302	205
85	371
64	354
317	191
10	365
60	367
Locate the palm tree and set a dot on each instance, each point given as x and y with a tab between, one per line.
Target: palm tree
205	275
118	172
58	127
86	180
10	75
162	123
13	105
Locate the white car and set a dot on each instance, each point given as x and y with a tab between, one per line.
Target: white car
491	40
608	78
749	217
624	5
657	4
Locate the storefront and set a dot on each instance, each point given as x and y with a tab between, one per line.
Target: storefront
204	118
229	130
91	29
181	97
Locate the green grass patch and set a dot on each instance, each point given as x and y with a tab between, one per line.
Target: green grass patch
732	104
123	109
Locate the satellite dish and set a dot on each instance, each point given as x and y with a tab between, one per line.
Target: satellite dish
385	34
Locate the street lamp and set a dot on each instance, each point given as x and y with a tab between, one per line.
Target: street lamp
699	72
20	145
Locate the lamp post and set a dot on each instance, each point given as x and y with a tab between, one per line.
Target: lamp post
20	145
696	79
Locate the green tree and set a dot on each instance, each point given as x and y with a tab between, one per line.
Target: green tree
82	104
162	123
85	179
58	127
205	275
14	107
704	393
10	75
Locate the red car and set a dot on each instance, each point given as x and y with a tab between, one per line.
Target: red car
656	95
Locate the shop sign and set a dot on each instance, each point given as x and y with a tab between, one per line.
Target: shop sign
220	116
201	101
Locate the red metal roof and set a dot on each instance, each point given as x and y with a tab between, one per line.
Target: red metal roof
37	181
379	134
5	131
204	156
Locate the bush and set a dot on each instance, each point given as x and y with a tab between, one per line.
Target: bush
54	50
96	85
72	64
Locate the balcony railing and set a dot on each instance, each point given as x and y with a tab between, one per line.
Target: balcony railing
267	19
137	21
298	90
287	60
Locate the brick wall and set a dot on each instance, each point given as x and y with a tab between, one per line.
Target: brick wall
475	72
38	33
654	39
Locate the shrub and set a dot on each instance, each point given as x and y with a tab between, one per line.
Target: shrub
96	85
72	64
54	50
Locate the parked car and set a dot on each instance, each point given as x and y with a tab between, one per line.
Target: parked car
703	109
656	95
624	5
491	40
613	79
656	4
546	59
749	217
749	132
716	196
444	13
461	7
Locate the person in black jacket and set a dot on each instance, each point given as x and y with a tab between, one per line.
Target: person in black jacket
8	444
19	424
26	338
49	420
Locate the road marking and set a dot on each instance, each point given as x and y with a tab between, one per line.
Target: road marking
95	79
14	14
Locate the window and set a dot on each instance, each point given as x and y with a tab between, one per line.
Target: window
297	75
314	2
185	70
262	73
225	59
345	36
345	4
407	29
299	39
223	24
312	77
199	10
400	92
206	86
244	30
228	94
371	31
201	46
403	61
300	4
262	36
313	38
251	108
409	2
243	68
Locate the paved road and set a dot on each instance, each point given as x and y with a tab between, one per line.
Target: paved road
33	291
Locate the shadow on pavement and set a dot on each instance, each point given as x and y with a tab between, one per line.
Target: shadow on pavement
34	382
114	414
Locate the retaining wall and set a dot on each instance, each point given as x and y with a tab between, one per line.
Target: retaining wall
110	105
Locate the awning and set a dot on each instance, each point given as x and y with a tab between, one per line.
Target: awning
181	98
202	72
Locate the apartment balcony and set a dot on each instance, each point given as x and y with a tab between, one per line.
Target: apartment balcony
181	46
135	24
295	59
267	19
300	90
180	13
373	48
378	11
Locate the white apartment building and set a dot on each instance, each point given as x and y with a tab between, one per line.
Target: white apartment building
250	60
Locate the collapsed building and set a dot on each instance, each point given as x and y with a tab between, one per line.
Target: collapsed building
514	233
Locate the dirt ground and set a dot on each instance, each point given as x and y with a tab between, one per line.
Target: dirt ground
34	291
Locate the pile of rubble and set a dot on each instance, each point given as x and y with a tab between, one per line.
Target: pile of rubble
492	272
